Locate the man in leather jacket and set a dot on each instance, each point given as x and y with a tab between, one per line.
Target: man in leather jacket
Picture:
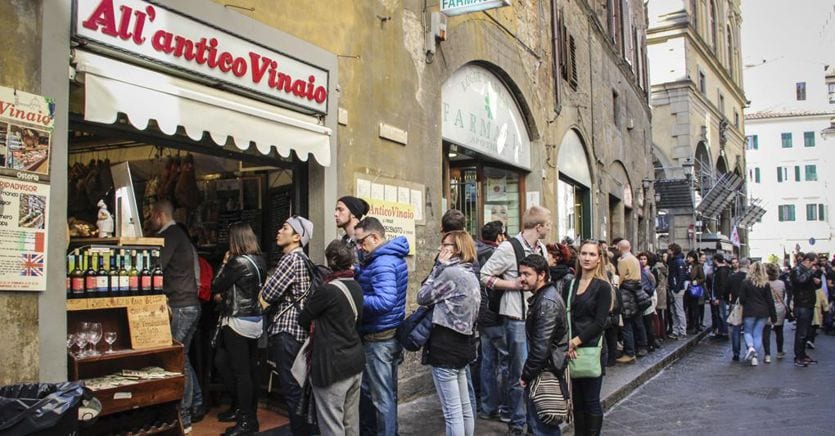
545	328
634	333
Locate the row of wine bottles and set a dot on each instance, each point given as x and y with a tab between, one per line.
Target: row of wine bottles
113	273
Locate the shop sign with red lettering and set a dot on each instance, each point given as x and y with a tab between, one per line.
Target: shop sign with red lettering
154	32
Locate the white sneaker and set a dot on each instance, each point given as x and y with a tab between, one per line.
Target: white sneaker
754	361
751	353
767	358
810	344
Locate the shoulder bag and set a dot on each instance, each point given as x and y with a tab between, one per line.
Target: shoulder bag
551	397
586	364
301	364
735	315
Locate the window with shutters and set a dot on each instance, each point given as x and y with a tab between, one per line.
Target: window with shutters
752	143
756	175
820	212
809	139
786	212
572	56
786	140
811	173
782	174
811	212
797	173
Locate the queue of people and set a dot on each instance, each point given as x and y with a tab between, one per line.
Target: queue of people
510	314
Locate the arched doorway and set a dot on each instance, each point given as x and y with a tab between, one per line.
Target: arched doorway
486	149
573	188
620	203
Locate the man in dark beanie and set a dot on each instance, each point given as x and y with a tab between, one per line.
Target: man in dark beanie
347	213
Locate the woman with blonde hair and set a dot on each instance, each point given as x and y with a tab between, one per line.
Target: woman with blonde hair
778	293
455	293
757	306
590	300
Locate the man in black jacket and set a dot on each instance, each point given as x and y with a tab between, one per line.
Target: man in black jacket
721	273
804	283
676	278
178	260
546	329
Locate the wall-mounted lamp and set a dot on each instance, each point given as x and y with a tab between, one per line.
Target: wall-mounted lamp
687	166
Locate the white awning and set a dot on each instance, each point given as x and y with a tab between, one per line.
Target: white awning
112	86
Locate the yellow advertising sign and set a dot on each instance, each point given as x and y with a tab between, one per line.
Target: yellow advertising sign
397	218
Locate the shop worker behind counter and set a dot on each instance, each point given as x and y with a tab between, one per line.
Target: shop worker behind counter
177	260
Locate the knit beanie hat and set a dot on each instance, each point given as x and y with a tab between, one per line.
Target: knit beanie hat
357	206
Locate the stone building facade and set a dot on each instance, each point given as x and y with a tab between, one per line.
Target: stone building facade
490	112
698	101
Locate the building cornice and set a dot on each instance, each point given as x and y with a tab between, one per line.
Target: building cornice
693	91
768	115
684	29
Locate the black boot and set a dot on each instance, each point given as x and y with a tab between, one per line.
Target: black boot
595	424
247	425
230	415
580	424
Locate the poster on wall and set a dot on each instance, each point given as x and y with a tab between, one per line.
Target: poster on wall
23	235
26	125
397	218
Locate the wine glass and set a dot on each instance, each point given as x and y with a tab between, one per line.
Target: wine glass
81	342
84	332
95	336
110	338
70	342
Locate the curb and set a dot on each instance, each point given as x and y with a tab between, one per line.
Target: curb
621	393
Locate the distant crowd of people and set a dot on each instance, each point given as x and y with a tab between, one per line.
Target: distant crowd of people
509	315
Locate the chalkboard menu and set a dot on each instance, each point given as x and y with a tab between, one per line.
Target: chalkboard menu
281	206
253	218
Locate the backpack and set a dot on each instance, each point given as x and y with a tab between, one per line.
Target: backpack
207	273
495	295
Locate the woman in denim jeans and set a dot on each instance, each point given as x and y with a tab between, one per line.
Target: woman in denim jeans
757	306
454	291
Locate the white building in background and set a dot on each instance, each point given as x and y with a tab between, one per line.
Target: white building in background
790	154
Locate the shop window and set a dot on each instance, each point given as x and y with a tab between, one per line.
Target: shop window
572	209
501	198
486	194
809	139
811	173
786	140
786	212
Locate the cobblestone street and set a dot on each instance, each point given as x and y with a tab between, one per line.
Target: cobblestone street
705	393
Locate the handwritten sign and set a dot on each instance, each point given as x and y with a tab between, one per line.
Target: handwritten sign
147	317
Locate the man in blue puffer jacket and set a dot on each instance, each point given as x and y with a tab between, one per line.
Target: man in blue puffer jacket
384	277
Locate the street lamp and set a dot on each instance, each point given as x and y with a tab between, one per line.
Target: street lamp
688	166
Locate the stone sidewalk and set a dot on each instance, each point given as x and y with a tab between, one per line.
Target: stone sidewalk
423	416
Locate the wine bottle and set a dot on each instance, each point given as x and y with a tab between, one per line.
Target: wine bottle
133	275
90	283
77	276
157	274
145	275
102	278
124	279
70	266
114	274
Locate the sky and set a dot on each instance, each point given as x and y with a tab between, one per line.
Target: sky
796	39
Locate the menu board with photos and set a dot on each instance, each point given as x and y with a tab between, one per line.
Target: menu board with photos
26	126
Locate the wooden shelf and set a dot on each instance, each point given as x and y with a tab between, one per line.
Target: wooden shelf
113	302
143	393
121	354
149	241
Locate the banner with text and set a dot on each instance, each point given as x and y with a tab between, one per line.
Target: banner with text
23	235
397	218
